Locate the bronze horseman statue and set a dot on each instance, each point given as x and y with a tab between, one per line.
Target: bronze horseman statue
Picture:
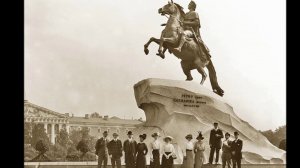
181	37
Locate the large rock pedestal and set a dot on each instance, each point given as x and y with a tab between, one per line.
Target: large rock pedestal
178	108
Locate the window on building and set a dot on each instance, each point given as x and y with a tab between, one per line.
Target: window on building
56	129
49	129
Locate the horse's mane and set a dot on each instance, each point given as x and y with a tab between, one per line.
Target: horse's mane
180	10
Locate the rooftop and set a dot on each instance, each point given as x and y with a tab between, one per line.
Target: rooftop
87	120
112	120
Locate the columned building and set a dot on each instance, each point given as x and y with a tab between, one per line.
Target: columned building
53	122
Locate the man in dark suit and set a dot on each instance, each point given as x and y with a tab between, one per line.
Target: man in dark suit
130	151
115	151
236	149
102	150
215	143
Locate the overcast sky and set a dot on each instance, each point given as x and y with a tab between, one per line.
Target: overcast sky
84	56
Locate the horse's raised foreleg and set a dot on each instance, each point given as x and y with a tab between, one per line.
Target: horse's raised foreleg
186	67
171	40
152	39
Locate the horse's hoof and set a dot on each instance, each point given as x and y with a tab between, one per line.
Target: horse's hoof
161	55
146	51
189	79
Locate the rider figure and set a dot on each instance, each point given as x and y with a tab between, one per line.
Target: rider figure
191	25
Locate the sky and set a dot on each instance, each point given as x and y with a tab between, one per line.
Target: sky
84	56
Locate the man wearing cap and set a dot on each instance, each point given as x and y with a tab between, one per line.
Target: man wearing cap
215	143
226	148
129	148
236	150
115	151
102	150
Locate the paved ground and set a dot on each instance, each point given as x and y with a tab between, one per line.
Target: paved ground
94	165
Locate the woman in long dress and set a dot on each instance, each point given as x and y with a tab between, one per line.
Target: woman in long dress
155	146
188	157
141	150
168	151
199	151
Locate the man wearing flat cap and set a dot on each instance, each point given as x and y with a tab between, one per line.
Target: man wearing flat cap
215	143
129	148
115	151
236	150
102	150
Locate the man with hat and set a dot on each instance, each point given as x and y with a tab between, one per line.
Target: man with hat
129	148
115	151
102	150
226	154
215	143
236	150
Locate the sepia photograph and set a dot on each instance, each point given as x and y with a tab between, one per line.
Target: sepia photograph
155	84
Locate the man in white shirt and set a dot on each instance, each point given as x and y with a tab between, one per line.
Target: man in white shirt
226	148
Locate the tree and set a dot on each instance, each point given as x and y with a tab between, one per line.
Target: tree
275	136
95	115
63	138
77	135
42	147
282	144
39	133
57	152
27	133
83	147
85	133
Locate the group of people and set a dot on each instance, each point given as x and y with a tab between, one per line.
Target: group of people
231	150
135	152
162	156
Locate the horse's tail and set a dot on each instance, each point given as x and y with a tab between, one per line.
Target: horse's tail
213	79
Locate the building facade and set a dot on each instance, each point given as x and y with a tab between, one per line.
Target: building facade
54	121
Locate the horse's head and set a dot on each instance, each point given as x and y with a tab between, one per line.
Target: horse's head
168	9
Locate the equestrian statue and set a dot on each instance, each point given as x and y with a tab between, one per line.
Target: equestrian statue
181	37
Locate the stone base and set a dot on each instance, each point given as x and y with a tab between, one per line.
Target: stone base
178	108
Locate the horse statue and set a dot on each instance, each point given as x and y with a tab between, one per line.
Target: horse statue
190	53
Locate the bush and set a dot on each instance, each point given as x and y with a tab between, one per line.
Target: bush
41	146
83	146
72	158
72	150
57	153
29	153
282	144
89	156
